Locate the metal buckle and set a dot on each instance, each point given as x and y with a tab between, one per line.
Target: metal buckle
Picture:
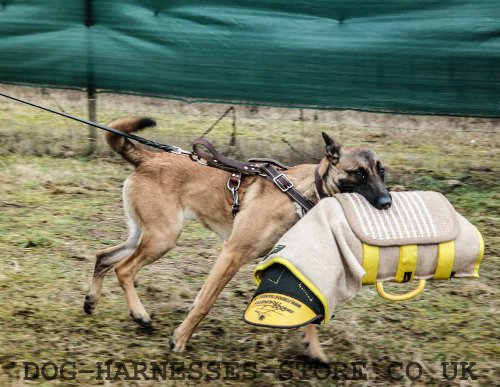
280	185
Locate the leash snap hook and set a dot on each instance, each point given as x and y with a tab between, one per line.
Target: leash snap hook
176	150
179	151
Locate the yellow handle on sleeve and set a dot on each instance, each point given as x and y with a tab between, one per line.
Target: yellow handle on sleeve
400	297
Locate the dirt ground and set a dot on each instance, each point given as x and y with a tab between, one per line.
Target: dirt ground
59	205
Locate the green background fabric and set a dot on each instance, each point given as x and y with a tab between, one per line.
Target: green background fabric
434	57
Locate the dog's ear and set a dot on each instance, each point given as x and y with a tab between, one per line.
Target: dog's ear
332	149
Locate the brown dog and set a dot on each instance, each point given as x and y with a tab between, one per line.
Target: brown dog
164	188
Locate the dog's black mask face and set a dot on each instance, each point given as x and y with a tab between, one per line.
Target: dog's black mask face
358	170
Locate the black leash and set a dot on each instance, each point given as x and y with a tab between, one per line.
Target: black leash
269	169
144	141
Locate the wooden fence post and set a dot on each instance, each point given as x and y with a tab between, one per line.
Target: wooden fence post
92	115
91	91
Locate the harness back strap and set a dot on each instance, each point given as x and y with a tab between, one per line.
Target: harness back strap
215	159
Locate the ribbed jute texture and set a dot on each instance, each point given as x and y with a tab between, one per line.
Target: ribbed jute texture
416	217
325	249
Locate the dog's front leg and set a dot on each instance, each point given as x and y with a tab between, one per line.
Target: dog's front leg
312	344
227	264
254	233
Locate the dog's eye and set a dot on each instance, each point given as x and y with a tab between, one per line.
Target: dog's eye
361	173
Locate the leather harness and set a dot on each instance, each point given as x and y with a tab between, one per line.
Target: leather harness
268	168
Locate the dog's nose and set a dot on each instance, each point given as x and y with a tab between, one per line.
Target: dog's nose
384	202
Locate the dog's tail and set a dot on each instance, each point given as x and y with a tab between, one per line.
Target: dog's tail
131	152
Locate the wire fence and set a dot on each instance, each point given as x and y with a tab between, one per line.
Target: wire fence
239	130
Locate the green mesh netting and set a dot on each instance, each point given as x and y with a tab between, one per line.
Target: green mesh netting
435	57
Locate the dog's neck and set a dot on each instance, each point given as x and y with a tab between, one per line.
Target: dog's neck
305	183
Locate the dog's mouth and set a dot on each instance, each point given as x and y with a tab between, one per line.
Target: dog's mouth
380	202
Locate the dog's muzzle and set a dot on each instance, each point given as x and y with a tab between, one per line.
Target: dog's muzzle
383	202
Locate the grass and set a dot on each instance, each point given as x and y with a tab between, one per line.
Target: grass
58	208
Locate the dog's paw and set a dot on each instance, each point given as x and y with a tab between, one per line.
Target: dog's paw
143	321
89	304
312	360
316	356
171	344
318	360
176	345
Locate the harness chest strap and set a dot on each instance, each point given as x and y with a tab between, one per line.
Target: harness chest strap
285	185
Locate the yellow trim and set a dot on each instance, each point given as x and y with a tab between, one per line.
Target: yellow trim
480	255
400	297
299	275
279	311
371	259
407	262
446	257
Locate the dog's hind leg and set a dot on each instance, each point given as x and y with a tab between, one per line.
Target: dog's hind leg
156	240
106	260
110	257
